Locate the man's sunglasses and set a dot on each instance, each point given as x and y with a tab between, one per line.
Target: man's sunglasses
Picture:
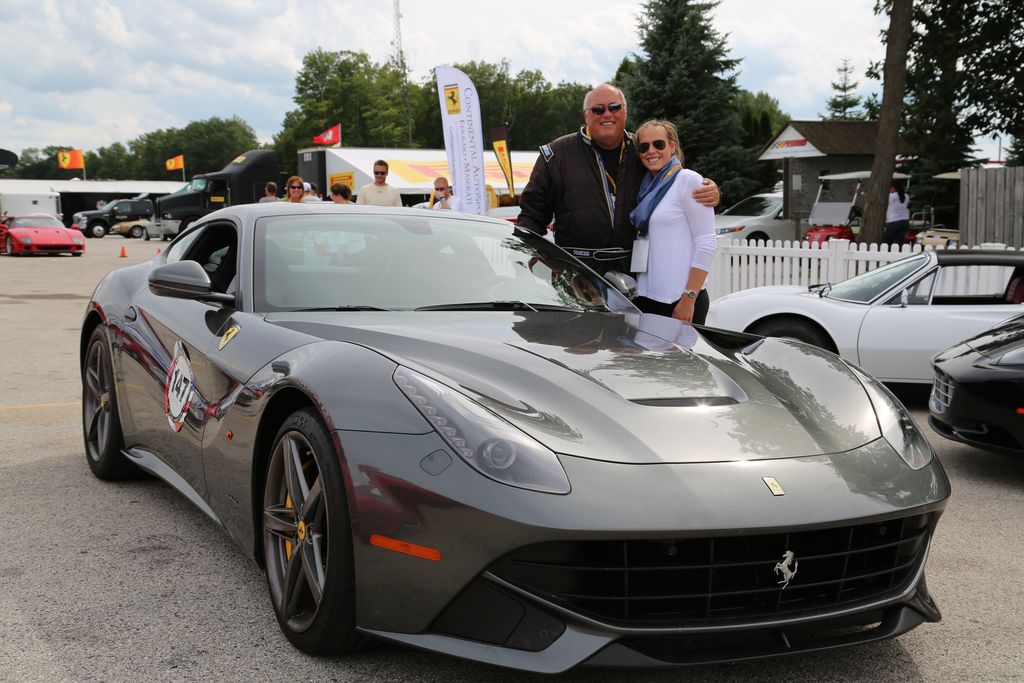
598	109
658	144
380	173
440	189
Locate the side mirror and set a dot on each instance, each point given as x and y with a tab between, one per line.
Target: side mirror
185	280
904	298
625	284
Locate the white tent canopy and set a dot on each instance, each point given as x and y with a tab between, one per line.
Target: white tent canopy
20	186
858	175
412	171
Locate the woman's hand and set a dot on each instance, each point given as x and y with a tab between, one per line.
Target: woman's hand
684	309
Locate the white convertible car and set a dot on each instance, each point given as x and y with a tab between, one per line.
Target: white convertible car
890	321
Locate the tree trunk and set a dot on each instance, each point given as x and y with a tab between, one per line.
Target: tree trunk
893	88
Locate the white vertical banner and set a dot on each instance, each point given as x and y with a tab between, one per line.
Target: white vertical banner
463	137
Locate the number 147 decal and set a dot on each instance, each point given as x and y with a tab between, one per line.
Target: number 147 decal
180	388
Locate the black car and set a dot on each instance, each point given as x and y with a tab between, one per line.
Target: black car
978	392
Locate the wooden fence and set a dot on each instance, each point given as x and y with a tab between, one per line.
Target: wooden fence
992	205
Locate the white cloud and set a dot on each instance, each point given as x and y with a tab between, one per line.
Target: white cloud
95	72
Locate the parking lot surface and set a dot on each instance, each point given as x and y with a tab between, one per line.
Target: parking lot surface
128	581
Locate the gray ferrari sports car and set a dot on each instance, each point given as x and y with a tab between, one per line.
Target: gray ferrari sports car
440	430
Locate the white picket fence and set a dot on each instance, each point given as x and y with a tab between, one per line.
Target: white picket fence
741	265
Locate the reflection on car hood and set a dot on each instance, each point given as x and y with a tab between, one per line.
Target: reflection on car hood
634	388
1008	332
724	221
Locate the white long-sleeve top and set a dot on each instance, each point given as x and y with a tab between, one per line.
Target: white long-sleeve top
897	210
682	235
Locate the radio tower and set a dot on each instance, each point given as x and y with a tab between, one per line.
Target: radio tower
399	58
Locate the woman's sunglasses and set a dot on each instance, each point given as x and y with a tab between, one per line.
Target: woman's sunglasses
658	144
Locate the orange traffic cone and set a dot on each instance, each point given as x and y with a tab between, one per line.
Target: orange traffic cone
158	250
124	254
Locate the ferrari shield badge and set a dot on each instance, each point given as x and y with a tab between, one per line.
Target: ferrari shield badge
180	389
228	336
774	486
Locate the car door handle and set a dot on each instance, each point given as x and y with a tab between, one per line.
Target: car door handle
130	315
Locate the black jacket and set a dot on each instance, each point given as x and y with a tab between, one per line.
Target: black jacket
567	183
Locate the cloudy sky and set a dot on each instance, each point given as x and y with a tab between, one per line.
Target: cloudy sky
87	73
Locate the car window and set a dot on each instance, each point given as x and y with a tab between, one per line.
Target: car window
215	249
37	222
754	206
867	286
408	262
919	293
972	281
181	245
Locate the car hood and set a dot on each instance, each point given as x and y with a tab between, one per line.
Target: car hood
624	388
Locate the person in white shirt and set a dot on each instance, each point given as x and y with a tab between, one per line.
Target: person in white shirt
680	230
379	193
897	215
445	199
270	192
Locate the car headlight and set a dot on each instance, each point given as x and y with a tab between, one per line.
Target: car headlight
78	240
1012	357
489	444
25	240
726	231
895	423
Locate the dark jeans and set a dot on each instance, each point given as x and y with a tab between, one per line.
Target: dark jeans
700	307
895	232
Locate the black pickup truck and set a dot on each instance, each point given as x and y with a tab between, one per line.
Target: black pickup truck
103	221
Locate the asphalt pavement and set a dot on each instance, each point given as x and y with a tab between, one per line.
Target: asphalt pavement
128	581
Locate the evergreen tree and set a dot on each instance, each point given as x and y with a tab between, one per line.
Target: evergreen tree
844	105
1015	152
685	75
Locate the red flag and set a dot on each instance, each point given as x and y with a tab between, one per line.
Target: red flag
71	158
175	163
331	136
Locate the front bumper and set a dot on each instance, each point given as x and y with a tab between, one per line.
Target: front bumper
463	604
977	405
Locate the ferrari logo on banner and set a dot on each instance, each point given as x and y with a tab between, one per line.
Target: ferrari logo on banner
175	163
499	141
331	136
451	99
71	159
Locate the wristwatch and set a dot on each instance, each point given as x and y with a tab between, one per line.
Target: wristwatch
691	293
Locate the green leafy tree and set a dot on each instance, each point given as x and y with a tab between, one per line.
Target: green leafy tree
845	104
1015	151
686	75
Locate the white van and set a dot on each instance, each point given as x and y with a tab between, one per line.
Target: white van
22	203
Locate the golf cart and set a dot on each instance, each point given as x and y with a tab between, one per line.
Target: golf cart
832	219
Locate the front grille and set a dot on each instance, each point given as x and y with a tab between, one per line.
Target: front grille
942	393
688	581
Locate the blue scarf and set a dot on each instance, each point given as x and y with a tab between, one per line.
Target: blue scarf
652	189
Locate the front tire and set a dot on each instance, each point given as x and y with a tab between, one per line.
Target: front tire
307	539
137	231
8	246
97	230
101	422
793	328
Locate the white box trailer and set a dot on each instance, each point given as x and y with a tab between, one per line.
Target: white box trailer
21	203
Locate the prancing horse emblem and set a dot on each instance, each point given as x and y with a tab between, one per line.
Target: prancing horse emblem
783	568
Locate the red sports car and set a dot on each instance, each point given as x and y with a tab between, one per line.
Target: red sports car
38	233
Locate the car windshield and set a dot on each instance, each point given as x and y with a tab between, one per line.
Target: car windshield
866	286
405	262
754	206
37	222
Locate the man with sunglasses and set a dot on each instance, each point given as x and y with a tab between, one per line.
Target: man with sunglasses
379	193
589	181
444	197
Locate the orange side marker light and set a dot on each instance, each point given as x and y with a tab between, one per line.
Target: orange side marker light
421	551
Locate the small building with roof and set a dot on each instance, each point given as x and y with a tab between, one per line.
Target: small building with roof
810	149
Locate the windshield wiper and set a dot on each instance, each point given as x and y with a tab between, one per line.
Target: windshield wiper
338	308
481	306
